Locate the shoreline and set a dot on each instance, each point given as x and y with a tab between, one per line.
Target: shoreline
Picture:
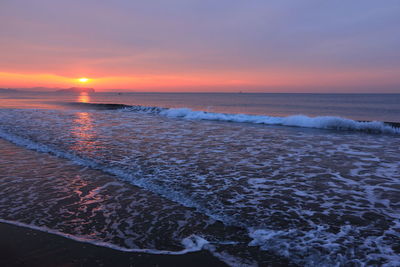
22	246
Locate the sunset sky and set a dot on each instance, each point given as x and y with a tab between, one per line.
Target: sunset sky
184	45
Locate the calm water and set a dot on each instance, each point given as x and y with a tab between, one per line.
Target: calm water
173	179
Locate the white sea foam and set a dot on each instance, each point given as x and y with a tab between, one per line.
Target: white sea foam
341	187
191	243
318	247
320	122
134	177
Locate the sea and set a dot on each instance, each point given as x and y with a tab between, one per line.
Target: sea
256	179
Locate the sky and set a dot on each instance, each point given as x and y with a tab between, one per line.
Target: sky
202	45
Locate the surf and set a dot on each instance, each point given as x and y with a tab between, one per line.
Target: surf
303	121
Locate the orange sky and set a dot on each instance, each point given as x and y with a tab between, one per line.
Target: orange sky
289	81
230	46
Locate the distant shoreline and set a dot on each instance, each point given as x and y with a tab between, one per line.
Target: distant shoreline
68	90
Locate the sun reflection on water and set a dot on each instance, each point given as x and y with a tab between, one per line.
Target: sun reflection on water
83	132
83	97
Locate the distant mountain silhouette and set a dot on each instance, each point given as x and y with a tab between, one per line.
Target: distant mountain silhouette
7	90
76	90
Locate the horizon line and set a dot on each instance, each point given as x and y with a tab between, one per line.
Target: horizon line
191	92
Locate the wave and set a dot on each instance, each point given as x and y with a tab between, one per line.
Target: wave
191	243
319	122
328	244
134	177
99	106
289	243
110	106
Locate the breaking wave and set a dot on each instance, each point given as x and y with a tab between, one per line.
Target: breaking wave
319	122
316	245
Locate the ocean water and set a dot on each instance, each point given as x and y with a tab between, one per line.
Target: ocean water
256	179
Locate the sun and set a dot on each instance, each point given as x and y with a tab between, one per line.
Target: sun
83	80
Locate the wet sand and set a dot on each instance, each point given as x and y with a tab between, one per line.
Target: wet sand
21	246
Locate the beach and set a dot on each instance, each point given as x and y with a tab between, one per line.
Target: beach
200	133
87	182
26	247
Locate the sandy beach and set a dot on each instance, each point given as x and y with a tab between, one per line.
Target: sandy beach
26	247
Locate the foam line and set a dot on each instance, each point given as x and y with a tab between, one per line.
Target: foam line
191	243
318	122
132	177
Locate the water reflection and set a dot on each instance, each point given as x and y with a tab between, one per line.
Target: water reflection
83	132
82	129
83	97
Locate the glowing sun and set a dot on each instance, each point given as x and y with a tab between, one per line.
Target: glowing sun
83	80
